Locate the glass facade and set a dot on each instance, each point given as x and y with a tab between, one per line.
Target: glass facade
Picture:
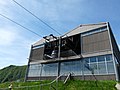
49	69
34	70
74	67
99	65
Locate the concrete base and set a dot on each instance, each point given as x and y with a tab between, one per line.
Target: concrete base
86	77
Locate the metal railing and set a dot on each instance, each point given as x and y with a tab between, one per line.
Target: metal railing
69	75
56	80
41	86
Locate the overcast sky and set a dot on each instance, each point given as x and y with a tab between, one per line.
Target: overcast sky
62	15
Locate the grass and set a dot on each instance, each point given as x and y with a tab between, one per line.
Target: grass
12	73
70	85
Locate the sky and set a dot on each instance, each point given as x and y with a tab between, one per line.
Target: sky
62	15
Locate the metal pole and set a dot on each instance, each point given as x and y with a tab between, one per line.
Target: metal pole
83	77
40	71
59	48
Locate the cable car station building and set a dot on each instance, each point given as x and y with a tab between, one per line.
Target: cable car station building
89	49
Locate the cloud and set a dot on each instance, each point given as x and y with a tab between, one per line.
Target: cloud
14	46
7	36
3	2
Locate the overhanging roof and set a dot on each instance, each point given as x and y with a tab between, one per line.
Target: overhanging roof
39	42
80	29
84	28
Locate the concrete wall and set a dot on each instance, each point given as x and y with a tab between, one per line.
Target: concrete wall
86	77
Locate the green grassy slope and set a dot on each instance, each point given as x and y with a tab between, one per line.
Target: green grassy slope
70	85
12	73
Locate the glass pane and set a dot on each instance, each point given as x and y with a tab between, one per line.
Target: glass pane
34	70
86	60
94	68
71	67
49	69
87	69
93	59
110	67
102	68
108	57
101	58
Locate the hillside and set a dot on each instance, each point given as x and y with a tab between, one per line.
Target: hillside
12	73
15	73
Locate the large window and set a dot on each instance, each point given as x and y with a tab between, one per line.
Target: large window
37	70
49	69
108	57
74	67
86	66
99	65
102	68
101	59
94	68
34	70
93	59
110	67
